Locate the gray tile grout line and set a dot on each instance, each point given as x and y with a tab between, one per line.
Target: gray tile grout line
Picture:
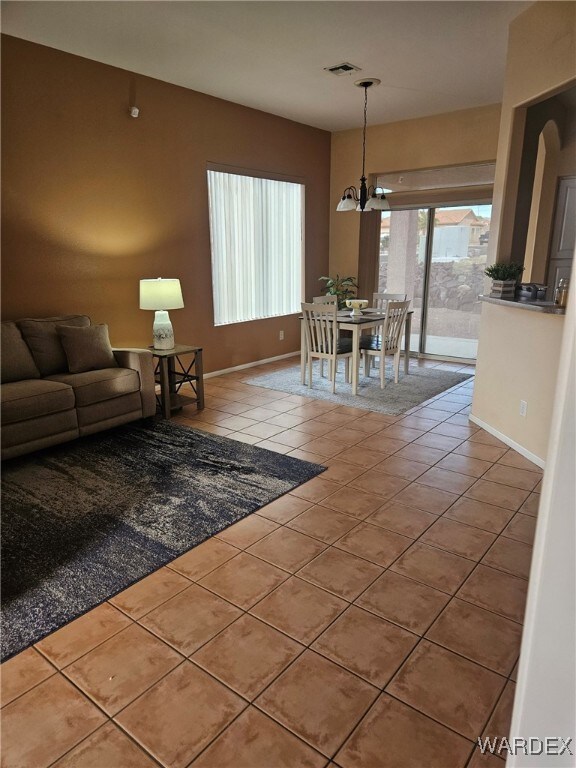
381	690
319	503
296	574
265	714
423	637
398	417
244	612
112	718
292	573
109	718
478	562
44	658
384	692
452	596
124	733
305	647
433	545
252	702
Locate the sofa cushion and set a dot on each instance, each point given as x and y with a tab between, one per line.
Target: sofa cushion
17	360
96	386
108	411
87	349
33	434
42	338
29	399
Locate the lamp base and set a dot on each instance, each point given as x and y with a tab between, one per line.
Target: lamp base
162	330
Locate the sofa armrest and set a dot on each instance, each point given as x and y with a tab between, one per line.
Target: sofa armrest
142	361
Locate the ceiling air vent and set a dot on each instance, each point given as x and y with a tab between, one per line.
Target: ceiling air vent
342	69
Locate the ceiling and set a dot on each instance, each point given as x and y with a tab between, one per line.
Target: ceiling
431	57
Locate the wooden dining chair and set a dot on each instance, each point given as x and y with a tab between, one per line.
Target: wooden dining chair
388	342
379	301
322	342
326	299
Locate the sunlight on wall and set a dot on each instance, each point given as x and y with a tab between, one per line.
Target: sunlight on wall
98	218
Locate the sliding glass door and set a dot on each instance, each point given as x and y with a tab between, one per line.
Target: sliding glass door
402	260
437	257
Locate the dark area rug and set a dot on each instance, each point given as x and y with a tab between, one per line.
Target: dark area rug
83	521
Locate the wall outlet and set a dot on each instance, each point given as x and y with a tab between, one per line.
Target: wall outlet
523	407
281	335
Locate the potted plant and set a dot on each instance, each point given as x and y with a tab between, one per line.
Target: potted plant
341	287
504	278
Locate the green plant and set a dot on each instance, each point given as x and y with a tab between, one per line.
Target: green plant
342	287
504	271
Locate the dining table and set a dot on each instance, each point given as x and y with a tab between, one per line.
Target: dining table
370	318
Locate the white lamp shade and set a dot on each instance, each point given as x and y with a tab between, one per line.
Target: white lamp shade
161	293
379	203
346	204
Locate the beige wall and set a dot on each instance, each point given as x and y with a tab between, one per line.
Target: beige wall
518	350
541	61
454	138
93	200
518	359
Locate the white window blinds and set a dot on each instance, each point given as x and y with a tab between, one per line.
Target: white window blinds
256	239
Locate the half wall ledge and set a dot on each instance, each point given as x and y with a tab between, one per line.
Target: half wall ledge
547	307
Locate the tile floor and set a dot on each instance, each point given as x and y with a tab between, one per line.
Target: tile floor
371	617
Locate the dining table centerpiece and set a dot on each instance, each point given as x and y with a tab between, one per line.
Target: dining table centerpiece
357	305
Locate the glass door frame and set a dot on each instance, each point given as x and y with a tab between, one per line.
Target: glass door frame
426	285
430	210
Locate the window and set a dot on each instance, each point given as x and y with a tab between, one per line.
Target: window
257	246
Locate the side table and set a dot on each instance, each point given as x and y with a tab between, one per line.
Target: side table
171	378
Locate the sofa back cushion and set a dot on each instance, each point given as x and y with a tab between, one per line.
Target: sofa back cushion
17	361
87	349
44	342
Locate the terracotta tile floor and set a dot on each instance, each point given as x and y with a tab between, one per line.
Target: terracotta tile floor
371	617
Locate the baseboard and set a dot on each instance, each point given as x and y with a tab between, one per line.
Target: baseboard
509	442
250	365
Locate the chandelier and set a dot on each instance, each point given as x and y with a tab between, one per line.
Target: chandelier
366	198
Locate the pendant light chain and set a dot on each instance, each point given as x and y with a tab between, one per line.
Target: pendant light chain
364	134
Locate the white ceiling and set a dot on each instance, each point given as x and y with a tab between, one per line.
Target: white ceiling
432	57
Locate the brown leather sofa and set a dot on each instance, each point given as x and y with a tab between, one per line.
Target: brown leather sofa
44	404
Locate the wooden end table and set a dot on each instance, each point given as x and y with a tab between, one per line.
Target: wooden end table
171	378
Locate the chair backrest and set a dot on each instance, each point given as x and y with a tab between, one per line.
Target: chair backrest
380	300
325	299
321	327
394	324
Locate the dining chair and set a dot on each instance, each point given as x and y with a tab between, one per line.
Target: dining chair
326	299
322	341
379	301
388	342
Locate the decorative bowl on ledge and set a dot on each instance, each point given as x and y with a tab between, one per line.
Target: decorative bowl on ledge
357	305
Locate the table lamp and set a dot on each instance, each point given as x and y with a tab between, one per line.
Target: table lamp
161	295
